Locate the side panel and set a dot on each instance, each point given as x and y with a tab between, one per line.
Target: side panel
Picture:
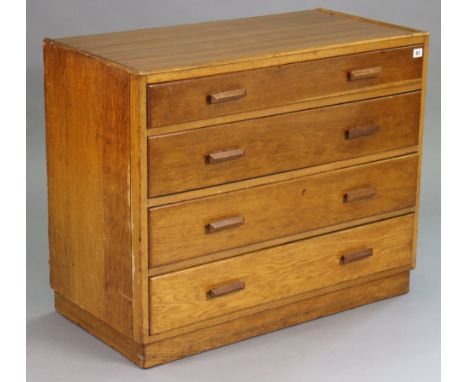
88	165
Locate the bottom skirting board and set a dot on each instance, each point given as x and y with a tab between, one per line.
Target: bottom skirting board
183	345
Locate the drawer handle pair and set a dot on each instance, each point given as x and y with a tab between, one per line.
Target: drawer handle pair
225	289
239	285
233	154
361	131
228	155
236	221
226	96
359	194
236	94
355	256
224	156
363	74
221	225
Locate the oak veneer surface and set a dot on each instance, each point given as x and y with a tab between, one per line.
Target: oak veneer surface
198	45
291	139
88	156
277	210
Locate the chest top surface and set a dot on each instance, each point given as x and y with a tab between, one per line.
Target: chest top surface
163	49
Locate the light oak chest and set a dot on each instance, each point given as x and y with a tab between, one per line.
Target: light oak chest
212	182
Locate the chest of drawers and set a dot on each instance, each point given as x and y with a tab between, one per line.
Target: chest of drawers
211	182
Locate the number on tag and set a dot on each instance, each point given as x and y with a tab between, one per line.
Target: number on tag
417	52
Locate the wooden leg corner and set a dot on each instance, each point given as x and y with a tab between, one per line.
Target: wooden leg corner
130	349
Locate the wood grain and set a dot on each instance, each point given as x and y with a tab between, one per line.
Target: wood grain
367	19
180	298
213	43
186	100
88	161
177	231
178	162
139	218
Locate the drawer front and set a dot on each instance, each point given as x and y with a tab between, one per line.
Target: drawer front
226	286
241	150
209	97
199	227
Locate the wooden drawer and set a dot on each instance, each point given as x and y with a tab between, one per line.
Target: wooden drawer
208	97
251	148
226	286
189	229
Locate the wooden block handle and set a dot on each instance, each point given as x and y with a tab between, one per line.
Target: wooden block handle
223	224
361	131
355	256
362	74
223	290
359	194
226	96
224	156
